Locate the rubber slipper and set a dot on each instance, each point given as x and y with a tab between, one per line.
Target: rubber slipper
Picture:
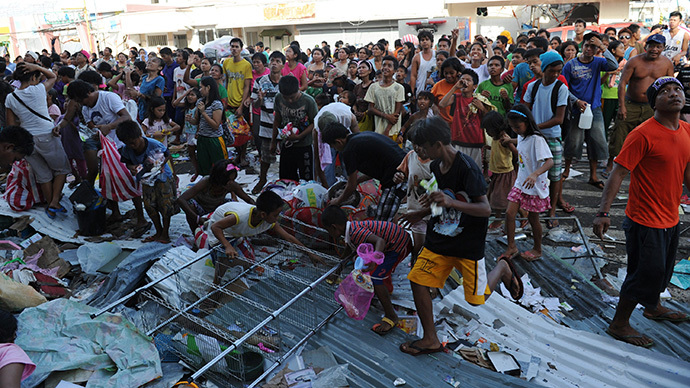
407	346
529	256
550	224
521	289
381	332
598	184
51	213
627	338
567	208
667	316
149	239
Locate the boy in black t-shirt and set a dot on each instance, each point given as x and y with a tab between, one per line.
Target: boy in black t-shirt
456	237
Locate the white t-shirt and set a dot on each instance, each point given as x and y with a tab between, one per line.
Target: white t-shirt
673	43
482	71
35	97
180	85
243	228
384	99
343	114
541	107
270	91
105	112
532	151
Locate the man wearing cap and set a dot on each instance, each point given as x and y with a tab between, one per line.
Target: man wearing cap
31	57
82	62
638	74
657	156
324	155
583	74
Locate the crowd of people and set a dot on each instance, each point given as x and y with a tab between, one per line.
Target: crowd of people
458	130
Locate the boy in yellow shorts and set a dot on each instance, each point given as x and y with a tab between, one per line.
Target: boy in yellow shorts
455	236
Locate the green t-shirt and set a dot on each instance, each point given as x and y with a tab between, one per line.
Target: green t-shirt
495	98
609	93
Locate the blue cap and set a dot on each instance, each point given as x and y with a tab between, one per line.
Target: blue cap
658	38
549	58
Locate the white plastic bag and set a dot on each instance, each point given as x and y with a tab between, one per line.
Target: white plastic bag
94	256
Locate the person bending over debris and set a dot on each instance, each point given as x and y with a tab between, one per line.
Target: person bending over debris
657	156
234	220
388	238
455	235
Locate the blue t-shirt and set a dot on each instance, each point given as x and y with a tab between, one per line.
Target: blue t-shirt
148	88
521	74
168	72
541	107
584	79
153	147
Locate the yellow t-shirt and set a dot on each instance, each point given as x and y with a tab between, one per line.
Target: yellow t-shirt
236	73
501	158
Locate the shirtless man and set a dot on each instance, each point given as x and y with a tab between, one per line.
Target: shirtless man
422	62
638	74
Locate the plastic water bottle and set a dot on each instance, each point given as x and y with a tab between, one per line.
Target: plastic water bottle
586	118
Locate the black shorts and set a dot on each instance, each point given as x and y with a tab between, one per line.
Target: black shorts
296	163
651	256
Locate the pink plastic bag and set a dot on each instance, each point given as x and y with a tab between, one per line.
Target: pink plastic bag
355	294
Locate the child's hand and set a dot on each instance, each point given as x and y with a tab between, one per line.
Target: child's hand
478	104
410	218
316	259
504	94
530	181
399	177
486	93
392	118
504	140
369	267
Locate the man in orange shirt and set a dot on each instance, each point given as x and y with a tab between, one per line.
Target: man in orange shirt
657	156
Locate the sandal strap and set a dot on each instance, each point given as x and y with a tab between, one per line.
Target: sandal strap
388	321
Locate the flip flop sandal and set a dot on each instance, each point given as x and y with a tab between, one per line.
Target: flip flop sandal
550	224
51	213
380	332
627	338
598	184
567	208
514	275
528	256
667	316
405	348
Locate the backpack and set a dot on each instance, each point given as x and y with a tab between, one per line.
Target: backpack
554	101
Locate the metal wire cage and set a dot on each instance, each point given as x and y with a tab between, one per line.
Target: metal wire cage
237	331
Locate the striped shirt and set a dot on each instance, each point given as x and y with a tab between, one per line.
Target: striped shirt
397	239
270	90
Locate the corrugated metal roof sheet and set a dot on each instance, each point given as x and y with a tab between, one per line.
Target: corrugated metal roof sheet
590	312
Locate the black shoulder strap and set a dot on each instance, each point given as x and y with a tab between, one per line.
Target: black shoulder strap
554	95
30	110
533	95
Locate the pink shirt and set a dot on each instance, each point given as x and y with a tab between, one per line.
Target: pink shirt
297	71
13	354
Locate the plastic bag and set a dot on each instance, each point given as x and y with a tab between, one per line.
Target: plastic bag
310	194
355	294
117	183
15	296
22	191
94	256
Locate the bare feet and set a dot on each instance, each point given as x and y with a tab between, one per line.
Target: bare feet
509	253
259	185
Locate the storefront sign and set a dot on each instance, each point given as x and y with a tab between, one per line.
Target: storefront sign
288	12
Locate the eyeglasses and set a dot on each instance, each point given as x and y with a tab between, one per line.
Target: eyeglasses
624	37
